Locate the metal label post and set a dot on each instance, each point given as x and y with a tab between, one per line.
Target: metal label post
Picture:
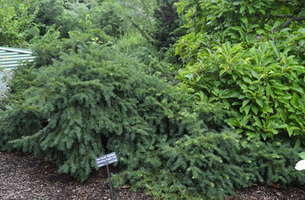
105	161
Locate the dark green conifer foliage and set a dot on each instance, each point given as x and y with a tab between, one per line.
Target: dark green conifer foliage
210	165
18	118
50	46
18	121
98	99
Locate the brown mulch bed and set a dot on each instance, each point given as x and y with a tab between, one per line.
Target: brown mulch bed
263	192
22	176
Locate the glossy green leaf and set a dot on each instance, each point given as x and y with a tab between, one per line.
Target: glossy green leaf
226	103
254	109
276	104
236	103
212	99
280	86
240	130
269	110
251	9
282	114
297	143
244	121
297	89
235	94
246	117
281	126
295	99
260	31
254	73
247	109
302	155
247	80
260	102
293	116
286	96
276	24
242	96
245	102
271	42
291	109
302	13
278	92
289	130
264	136
244	20
252	87
198	78
258	122
242	9
262	11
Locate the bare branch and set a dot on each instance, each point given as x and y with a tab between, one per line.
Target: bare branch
284	16
139	29
291	20
288	22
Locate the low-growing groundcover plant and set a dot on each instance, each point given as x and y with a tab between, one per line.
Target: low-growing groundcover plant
210	166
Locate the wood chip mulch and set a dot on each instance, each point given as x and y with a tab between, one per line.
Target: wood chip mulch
24	177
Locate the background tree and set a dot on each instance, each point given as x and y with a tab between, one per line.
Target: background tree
168	25
48	13
216	16
112	18
16	24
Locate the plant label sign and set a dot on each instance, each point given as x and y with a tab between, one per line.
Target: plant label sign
106	159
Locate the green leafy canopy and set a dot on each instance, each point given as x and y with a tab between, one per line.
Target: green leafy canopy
246	55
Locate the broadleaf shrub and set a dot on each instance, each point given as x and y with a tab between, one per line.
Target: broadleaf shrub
262	82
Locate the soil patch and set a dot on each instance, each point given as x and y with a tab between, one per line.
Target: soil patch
22	176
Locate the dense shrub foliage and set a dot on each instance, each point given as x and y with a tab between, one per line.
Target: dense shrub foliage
263	84
111	18
16	25
109	102
49	47
256	70
93	99
210	166
101	83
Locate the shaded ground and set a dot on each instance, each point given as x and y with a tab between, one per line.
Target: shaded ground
24	177
263	192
